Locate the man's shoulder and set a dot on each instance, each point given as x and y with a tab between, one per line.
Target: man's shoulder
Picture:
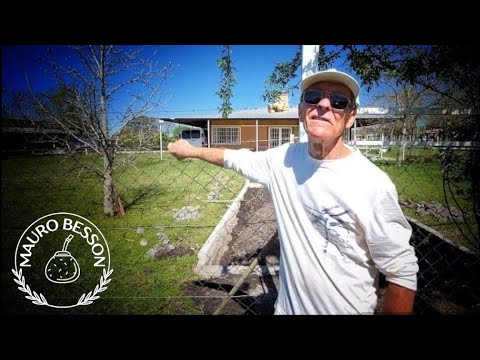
288	149
371	172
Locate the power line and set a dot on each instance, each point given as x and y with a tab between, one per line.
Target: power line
215	109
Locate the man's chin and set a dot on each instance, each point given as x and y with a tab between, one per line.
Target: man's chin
319	135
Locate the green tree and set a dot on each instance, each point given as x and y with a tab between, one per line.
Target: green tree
177	130
227	81
451	72
283	73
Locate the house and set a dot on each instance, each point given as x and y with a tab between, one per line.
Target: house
263	128
255	129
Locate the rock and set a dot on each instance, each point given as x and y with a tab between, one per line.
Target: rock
212	195
186	213
163	238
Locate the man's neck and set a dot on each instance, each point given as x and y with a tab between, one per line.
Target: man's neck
323	150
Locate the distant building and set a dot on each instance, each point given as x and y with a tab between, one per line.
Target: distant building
24	136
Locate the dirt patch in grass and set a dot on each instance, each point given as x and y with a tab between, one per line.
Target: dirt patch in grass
250	299
255	229
254	235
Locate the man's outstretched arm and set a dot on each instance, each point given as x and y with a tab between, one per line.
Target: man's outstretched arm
181	149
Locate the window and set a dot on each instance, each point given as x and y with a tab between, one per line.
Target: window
195	137
190	134
226	135
278	136
195	134
185	134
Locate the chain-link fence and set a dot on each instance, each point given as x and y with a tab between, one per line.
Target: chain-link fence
191	238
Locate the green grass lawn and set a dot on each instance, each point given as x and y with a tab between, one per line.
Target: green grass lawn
150	190
423	182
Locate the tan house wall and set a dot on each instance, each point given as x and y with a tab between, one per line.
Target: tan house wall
248	131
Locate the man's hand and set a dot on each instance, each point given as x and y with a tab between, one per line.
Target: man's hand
181	149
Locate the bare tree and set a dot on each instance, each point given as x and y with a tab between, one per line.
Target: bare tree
406	96
104	88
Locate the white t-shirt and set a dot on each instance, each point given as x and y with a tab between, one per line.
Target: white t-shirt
339	222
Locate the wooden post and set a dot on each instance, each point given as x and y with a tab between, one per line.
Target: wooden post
208	132
256	135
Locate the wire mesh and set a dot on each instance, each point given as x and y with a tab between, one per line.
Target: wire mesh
191	231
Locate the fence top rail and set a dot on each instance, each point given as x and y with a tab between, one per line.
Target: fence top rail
437	144
416	111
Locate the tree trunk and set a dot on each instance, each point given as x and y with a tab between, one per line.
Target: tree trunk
118	206
108	193
112	203
401	150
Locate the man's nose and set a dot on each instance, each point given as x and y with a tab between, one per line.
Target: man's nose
324	102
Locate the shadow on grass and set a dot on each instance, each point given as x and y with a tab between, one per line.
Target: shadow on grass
145	194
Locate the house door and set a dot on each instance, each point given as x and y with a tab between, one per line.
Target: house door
278	136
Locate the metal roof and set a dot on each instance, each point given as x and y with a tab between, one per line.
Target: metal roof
253	114
292	113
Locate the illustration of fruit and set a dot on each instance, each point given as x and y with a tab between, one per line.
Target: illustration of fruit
62	268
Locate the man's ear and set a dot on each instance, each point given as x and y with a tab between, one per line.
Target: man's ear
351	119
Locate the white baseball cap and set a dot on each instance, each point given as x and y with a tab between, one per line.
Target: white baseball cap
334	76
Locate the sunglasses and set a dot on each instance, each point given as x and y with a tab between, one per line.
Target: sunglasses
337	101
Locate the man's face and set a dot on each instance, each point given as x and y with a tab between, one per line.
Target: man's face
323	120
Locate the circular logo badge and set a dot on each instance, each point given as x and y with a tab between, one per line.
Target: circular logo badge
62	260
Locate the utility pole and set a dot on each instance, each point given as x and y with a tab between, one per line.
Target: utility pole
309	66
160	122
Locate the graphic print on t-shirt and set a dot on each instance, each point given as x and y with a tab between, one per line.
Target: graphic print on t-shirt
334	224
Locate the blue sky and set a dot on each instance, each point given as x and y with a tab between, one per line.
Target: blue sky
194	82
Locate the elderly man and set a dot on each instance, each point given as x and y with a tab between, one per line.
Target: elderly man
339	221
